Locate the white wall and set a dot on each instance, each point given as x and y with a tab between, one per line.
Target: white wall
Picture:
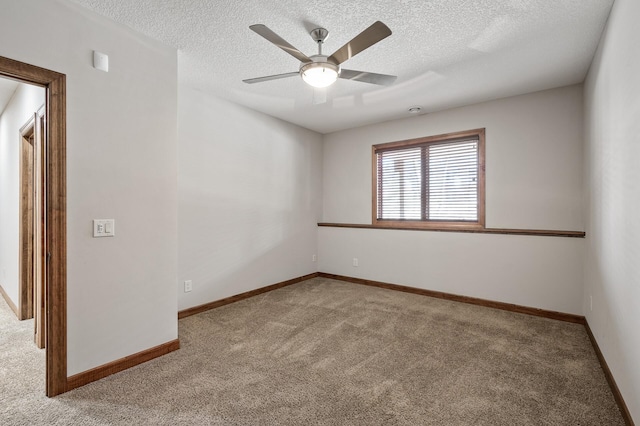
540	272
533	181
26	100
121	164
249	198
612	274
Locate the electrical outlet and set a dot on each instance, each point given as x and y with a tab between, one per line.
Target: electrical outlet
355	261
591	303
314	258
188	286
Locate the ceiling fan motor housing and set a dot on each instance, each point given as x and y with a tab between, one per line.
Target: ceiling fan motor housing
319	35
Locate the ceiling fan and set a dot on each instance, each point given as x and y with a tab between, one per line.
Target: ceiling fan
321	70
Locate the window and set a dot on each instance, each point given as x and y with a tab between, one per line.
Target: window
433	182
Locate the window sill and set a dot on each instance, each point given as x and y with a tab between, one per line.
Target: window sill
535	232
427	225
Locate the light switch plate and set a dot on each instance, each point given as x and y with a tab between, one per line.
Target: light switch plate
104	228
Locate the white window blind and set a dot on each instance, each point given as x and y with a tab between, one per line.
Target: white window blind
433	181
400	184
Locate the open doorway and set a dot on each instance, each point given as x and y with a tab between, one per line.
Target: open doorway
51	147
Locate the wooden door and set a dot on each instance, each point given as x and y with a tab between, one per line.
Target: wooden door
26	232
33	225
39	225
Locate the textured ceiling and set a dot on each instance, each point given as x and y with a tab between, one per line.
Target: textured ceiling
446	53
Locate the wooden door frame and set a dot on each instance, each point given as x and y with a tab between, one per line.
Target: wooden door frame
31	279
55	192
26	238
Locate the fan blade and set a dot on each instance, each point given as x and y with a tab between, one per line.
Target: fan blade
376	32
270	77
280	42
368	77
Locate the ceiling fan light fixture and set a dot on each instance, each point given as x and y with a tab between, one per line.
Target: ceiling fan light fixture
320	74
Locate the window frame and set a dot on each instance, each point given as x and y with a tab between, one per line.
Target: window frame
431	224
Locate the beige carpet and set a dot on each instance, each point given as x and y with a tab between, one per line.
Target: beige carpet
324	352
